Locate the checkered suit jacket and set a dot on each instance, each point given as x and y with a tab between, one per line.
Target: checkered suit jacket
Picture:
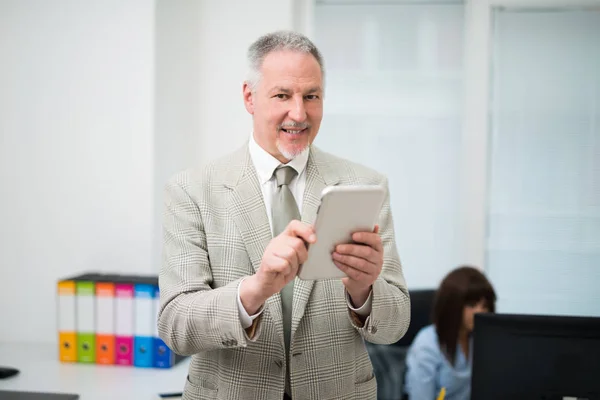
215	231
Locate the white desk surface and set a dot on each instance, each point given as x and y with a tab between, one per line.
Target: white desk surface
42	372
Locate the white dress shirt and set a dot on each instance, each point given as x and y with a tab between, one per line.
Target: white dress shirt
265	164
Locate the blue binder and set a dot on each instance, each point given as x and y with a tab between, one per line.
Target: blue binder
164	357
143	328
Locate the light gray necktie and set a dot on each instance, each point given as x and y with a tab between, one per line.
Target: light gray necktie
283	210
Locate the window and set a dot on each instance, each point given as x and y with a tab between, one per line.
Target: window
543	246
393	102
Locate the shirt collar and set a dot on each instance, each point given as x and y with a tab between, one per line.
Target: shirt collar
266	164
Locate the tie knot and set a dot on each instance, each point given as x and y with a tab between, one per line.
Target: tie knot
284	175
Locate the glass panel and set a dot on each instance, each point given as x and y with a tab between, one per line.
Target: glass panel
543	247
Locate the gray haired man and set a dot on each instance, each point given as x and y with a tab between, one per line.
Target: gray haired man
235	232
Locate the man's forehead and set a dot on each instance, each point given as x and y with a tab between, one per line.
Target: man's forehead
309	88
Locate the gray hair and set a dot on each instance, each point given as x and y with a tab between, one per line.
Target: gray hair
278	41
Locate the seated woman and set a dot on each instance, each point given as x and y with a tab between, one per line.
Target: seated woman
440	355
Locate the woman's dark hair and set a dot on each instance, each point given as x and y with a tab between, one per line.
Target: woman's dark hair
464	286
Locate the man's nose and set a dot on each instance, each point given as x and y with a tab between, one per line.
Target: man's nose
298	111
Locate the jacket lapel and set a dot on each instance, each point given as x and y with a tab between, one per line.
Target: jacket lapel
318	177
247	209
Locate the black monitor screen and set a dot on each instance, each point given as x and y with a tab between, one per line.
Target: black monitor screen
535	357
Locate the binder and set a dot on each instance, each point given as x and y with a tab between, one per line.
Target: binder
67	336
164	357
123	323
144	323
85	320
105	322
111	319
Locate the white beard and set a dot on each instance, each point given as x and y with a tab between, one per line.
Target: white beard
288	154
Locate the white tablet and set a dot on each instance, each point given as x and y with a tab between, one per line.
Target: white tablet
344	210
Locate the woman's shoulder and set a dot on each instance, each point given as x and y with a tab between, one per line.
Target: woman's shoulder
426	339
426	333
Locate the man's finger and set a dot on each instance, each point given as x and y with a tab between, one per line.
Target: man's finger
352	273
357	263
357	250
299	247
369	238
288	253
281	265
301	230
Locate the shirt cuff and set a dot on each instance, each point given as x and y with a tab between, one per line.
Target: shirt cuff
246	319
365	309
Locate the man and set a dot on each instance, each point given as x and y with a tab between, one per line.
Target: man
236	232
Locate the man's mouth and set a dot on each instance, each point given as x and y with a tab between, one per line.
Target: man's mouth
294	131
297	128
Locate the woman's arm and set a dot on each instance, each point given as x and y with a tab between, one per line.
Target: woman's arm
422	362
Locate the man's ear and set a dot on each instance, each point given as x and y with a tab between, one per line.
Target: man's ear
248	98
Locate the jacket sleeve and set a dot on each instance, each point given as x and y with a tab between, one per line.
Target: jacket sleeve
390	307
193	317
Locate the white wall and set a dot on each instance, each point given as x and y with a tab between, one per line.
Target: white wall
76	163
200	67
178	92
225	34
100	102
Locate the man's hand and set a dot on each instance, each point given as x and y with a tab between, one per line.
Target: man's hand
362	262
279	265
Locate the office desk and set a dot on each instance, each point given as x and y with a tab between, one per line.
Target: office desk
42	372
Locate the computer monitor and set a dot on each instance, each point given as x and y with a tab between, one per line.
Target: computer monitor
535	357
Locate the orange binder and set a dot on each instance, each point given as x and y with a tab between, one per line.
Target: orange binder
67	335
105	323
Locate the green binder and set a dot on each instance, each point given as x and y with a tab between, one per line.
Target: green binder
86	321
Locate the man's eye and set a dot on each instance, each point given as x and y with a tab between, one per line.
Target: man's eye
281	96
312	97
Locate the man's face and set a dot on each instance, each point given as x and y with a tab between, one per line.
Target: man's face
287	105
